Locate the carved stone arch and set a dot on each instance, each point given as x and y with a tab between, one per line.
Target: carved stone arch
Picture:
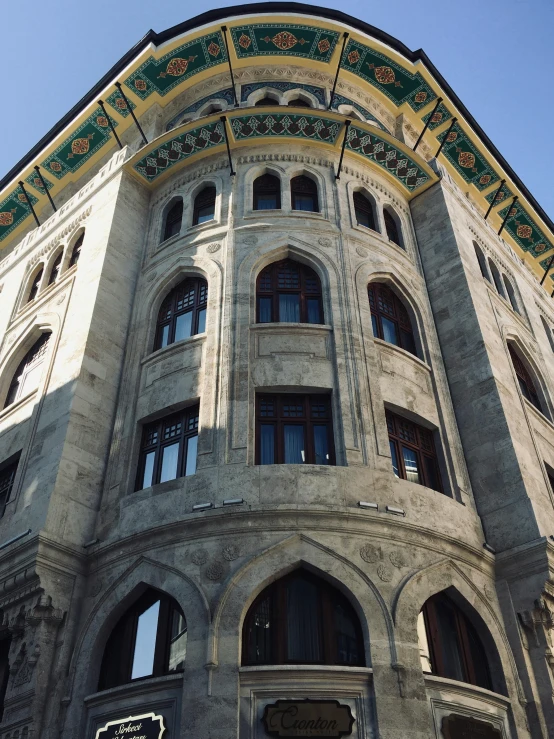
256	170
298	93
399	221
112	604
49	262
446	575
206	108
264	92
354	186
31	275
352	112
194	189
306	170
277	561
166	206
527	355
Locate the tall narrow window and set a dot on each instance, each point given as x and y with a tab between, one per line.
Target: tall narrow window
413	453
301	619
496	277
289	292
169	448
149	640
549	333
526	384
27	376
266	101
204	206
7	477
449	644
182	313
303	192
510	293
35	286
392	228
363	208
299	103
389	317
76	253
482	262
267	192
294	429
5	642
56	267
173	220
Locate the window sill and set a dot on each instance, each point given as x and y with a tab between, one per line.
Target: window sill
383	239
275	326
403	352
145	685
528	404
5	412
435	682
173	348
306	668
45	294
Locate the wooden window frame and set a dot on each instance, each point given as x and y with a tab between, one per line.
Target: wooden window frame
304	185
378	293
423	446
207	196
76	251
33	359
391	225
260	186
169	310
526	384
327	597
189	428
8	471
308	421
306	274
173	220
362	204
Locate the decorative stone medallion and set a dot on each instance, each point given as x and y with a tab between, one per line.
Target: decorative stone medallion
384	573
397	559
250	239
212	248
489	591
231	552
323	241
369	553
199	557
214	571
361	252
152	276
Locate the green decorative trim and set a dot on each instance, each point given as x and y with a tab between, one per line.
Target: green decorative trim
439	117
467	160
119	105
164	74
179	148
504	193
34	180
387	76
80	146
286	124
544	265
525	232
261	39
14	210
394	161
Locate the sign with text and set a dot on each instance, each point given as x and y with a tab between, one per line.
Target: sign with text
146	726
464	727
311	718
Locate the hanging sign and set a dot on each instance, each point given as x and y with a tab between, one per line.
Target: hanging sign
146	726
311	718
464	727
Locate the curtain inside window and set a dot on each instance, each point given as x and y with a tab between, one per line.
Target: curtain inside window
267	442
295	452
289	308
264	310
314	313
303	627
321	445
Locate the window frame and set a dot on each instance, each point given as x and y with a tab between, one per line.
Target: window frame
200	304
35	285
186	417
305	273
400	317
173	218
392	224
298	186
256	191
525	381
8	472
76	251
27	364
422	452
307	421
199	204
363	204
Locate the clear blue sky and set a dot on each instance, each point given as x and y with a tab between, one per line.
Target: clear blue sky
498	56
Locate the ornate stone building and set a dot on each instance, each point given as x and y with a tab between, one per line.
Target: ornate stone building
277	401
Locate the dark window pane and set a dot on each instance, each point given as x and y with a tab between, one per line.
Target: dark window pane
182	310
411	464
289	308
183	326
375	325
148	476
170	455
304	202
321	445
431	475
347	638
304	628
260	634
267	202
164	336
408	342
389	331
295	449
267	443
394	458
204	206
314	313
178	642
201	321
145	643
448	638
264	310
205	214
191	455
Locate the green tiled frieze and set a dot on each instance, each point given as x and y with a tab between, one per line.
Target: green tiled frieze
164	74
504	193
384	74
80	146
440	116
181	147
261	39
392	160
35	181
119	104
13	210
523	229
467	160
286	124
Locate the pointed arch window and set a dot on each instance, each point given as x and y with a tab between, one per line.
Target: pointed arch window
182	313
8	471
510	293
288	291
449	645
266	101
413	453
482	262
149	640
76	253
301	619
35	285
496	277
27	376
56	268
298	103
526	384
303	191
392	227
267	192
204	206
173	220
365	214
389	317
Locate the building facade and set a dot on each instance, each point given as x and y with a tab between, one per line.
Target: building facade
276	438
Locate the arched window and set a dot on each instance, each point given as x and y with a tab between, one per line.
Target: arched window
27	375
266	101
149	640
267	192
392	227
173	220
303	192
526	384
482	262
389	318
449	645
510	292
8	470
5	642
213	108
76	253
413	453
35	286
298	103
496	277
204	206
182	313
288	292
549	333
301	619
56	267
363	209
